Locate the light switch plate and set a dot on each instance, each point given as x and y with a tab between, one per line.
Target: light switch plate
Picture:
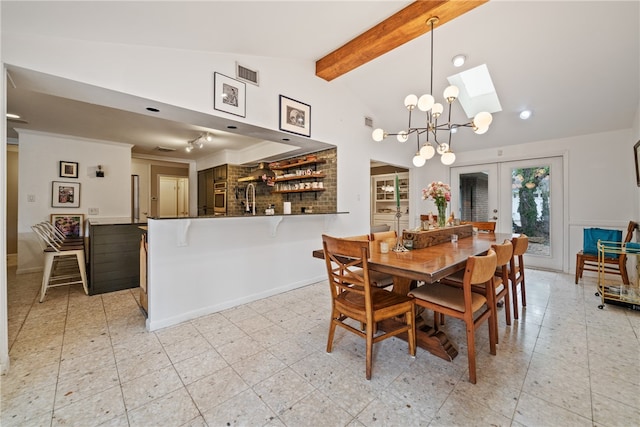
94	211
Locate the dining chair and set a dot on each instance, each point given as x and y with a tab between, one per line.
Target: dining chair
377	279
353	297
503	252
64	264
587	260
482	226
516	272
462	303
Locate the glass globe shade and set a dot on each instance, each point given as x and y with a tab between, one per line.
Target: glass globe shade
437	109
442	148
480	131
426	102
482	120
402	136
427	151
410	101
378	135
418	160
451	93
448	158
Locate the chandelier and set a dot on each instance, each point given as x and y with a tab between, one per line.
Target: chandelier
479	124
198	142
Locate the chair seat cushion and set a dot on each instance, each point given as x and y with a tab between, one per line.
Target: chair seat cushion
380	297
377	279
448	296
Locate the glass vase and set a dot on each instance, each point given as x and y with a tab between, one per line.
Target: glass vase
442	215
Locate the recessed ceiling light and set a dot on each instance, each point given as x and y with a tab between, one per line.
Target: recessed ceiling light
458	60
12	116
525	114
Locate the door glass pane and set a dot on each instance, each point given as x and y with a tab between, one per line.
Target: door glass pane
530	206
474	196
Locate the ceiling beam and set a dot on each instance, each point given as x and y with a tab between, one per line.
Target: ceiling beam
394	31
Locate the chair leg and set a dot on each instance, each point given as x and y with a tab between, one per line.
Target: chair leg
514	299
332	330
579	267
83	272
411	322
46	275
369	350
523	289
507	308
471	352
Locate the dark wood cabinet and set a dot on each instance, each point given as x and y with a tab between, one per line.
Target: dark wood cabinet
220	173
114	257
205	192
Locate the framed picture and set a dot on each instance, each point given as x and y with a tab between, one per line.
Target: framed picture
636	156
295	116
229	95
65	194
71	225
68	169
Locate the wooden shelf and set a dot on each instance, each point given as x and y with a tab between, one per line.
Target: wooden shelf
296	165
300	177
305	190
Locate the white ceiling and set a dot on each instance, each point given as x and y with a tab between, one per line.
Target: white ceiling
576	64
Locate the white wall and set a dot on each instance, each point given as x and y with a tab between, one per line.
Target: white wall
40	154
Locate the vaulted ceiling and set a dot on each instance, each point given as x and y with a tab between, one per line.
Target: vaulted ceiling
576	64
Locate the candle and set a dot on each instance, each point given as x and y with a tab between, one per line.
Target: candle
397	192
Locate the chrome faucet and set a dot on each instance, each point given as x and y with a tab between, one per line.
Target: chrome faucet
253	194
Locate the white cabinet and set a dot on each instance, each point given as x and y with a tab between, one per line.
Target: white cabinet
384	202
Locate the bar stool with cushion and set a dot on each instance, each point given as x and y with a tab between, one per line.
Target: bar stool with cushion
353	297
500	281
64	264
587	258
516	272
471	307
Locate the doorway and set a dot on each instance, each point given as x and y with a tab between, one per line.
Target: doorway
173	200
523	196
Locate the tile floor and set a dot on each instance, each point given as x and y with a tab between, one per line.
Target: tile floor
85	361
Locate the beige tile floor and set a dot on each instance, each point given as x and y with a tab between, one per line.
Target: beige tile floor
88	361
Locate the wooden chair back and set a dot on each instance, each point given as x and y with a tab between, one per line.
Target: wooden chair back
384	235
484	226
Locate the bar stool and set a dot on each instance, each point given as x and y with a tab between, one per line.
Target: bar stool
60	262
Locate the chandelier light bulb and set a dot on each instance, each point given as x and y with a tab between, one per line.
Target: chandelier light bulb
411	101
418	160
451	93
442	148
402	136
378	135
448	158
426	102
427	151
437	109
482	120
480	131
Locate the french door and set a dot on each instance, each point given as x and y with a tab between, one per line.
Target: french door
523	196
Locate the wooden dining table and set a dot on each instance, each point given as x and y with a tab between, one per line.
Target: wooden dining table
427	265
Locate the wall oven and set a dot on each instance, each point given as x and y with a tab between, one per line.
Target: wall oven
220	198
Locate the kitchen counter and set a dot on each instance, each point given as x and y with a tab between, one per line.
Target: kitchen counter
257	215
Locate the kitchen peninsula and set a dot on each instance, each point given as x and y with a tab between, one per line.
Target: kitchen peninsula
198	266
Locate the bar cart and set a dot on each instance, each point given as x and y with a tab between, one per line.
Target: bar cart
615	291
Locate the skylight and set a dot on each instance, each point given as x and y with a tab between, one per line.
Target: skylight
477	92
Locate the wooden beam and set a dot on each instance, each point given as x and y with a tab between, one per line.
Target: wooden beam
394	31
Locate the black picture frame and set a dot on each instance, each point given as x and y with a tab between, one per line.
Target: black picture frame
295	116
68	169
636	157
229	95
65	194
